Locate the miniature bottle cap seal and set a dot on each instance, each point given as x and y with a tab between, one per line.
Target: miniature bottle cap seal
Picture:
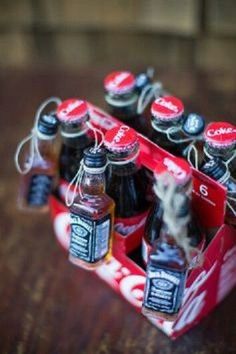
95	158
220	134
178	168
194	124
120	139
119	82
72	111
168	108
48	124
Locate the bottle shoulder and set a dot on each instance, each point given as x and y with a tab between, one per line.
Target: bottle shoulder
93	204
47	162
76	143
168	254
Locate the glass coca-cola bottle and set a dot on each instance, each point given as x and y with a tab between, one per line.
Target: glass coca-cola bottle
180	170
73	115
92	214
126	182
220	142
219	171
40	165
121	96
167	116
168	262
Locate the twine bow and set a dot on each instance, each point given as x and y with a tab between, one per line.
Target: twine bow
172	201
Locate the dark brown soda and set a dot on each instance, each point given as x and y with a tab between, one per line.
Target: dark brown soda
71	154
127	185
128	115
162	140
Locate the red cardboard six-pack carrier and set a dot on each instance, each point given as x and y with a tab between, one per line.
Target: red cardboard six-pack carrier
206	285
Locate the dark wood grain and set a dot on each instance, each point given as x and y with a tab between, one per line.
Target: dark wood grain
46	304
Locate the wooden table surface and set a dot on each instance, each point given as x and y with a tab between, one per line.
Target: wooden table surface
46	304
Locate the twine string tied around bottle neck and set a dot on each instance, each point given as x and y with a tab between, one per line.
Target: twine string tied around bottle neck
32	139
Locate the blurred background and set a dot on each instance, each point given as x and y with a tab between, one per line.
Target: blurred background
118	33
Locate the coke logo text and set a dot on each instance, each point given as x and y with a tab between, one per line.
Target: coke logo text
118	79
71	106
120	134
177	171
167	104
220	131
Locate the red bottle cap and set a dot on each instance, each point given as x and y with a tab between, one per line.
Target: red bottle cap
120	139
72	110
167	108
176	167
220	134
119	82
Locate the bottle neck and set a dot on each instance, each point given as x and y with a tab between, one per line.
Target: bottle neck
166	235
158	124
45	146
121	101
125	158
74	135
223	153
93	184
174	255
123	167
175	221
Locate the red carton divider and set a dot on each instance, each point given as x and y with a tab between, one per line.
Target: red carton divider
206	285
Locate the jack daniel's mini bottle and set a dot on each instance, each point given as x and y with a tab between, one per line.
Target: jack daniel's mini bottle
40	166
73	115
92	214
122	92
181	172
168	264
126	182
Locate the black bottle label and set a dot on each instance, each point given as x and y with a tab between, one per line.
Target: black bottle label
164	289
89	238
39	190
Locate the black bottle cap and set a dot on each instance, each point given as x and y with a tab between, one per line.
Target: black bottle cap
95	158
48	124
141	81
214	168
193	124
